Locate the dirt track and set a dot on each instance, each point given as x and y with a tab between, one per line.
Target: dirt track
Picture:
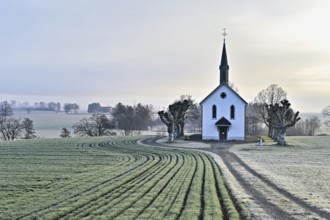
274	202
267	200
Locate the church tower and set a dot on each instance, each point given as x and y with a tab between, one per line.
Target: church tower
224	67
223	110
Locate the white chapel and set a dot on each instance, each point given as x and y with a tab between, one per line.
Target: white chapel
223	110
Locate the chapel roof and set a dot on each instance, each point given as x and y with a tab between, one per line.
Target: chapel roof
216	89
223	122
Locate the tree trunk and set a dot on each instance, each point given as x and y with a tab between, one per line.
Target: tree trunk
271	132
170	130
170	137
275	134
182	129
177	131
281	137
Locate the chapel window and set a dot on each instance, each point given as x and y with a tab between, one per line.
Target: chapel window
232	112
214	111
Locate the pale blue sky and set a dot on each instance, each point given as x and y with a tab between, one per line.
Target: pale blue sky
153	51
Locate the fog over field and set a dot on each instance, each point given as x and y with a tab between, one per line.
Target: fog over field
49	124
154	51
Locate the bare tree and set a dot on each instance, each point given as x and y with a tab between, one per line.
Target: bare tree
233	86
194	118
131	119
174	118
123	118
71	107
65	133
272	95
75	107
28	127
5	110
58	107
169	121
84	128
142	116
299	129
51	106
191	116
254	124
26	106
10	128
326	113
102	124
312	124
97	125
281	117
67	108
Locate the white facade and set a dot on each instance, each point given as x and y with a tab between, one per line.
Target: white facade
225	104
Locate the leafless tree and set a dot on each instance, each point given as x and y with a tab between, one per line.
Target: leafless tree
5	110
10	128
71	107
75	107
254	124
194	118
326	113
26	106
312	124
28	127
169	121
51	106
123	118
131	119
174	117
281	117
65	133
272	95
84	128
233	86
191	116
58	107
305	127
97	125
299	129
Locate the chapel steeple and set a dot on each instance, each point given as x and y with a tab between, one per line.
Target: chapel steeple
224	67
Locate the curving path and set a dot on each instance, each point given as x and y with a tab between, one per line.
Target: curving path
267	200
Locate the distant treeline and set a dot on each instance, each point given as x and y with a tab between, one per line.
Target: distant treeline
45	106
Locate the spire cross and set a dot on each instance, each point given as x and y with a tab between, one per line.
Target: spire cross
224	33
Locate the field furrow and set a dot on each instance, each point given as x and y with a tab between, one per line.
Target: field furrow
106	178
122	192
163	203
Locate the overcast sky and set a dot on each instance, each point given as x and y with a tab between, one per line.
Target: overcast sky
153	51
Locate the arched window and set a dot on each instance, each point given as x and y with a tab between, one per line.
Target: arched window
214	111
232	112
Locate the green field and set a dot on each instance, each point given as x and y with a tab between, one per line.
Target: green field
104	178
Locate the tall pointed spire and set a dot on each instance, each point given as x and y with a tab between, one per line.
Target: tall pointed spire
224	67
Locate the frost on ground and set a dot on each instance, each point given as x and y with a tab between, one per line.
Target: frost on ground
183	144
302	168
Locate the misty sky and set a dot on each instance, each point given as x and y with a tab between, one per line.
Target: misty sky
153	51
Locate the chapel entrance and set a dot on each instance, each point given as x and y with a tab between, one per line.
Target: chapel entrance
223	133
223	126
